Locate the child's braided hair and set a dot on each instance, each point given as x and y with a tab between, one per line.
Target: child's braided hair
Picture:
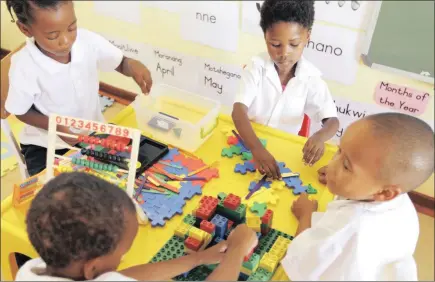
23	9
77	216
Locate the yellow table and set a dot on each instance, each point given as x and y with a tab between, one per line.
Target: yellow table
287	148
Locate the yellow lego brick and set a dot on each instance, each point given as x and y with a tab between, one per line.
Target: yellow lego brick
269	262
197	234
245	271
278	252
253	222
182	230
207	240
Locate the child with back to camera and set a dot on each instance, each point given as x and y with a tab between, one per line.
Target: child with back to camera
280	86
371	231
57	72
81	226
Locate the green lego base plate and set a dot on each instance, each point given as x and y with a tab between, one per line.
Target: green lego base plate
174	248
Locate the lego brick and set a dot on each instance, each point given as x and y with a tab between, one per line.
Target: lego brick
252	263
253	222
221	225
182	230
243	276
269	262
267	217
260	275
248	256
172	249
207	226
236	216
192	244
197	234
189	219
230	224
232	201
222	196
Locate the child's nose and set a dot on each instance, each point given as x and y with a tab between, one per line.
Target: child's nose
64	40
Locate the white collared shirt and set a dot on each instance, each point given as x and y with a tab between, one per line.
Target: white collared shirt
261	91
33	270
66	89
359	241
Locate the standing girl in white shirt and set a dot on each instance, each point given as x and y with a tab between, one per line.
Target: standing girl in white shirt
278	88
57	72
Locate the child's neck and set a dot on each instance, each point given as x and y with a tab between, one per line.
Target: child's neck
286	74
71	272
63	60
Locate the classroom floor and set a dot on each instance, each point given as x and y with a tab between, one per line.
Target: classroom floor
424	254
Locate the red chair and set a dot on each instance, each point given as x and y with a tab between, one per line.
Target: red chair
305	129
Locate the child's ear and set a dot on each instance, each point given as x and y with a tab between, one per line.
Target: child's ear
90	269
24	29
309	35
387	193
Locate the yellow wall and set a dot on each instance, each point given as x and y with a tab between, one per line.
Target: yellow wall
161	29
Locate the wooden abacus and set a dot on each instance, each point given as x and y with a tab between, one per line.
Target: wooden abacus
81	124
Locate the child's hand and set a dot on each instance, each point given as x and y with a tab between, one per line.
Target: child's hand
303	206
313	149
69	140
243	238
141	75
322	174
213	255
266	163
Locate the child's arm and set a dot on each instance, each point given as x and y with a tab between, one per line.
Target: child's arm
262	158
314	147
303	209
141	75
34	118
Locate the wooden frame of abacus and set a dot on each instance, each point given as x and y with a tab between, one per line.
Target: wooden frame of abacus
111	129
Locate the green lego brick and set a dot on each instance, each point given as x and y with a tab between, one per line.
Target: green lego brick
199	273
211	267
253	262
174	248
237	215
189	219
260	274
222	196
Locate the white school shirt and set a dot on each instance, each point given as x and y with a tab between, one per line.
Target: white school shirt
33	270
65	89
307	93
359	241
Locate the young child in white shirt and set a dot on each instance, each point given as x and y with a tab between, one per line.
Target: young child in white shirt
82	226
279	87
57	72
371	232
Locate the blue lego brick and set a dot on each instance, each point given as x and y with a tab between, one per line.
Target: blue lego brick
221	224
170	155
247	166
177	171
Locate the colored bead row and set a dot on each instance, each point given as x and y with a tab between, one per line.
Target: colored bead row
101	155
104	142
94	165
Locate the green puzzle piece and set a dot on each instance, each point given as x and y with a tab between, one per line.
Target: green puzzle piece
236	150
259	209
246	156
264	142
311	190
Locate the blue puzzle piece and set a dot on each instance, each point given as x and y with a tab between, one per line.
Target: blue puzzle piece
267	184
177	171
300	189
170	155
252	186
292	181
187	190
283	168
247	166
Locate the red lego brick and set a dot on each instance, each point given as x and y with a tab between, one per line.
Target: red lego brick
265	230
230	224
207	226
248	256
232	201
192	244
208	200
267	217
205	212
232	140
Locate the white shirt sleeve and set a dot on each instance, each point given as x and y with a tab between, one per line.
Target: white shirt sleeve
317	253
249	85
320	104
109	57
23	88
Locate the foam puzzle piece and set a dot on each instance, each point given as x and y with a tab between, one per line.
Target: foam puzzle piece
229	152
277	185
188	190
292	182
300	189
262	196
311	190
232	140
177	171
247	166
190	163
283	168
258	208
247	156
170	155
105	102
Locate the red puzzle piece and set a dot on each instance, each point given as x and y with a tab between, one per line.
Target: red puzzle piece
232	140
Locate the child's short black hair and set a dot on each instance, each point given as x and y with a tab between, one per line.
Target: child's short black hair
299	11
77	216
23	8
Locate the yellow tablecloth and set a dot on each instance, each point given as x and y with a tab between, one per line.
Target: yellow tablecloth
285	147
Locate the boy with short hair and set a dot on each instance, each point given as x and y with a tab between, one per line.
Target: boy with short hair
371	232
279	87
81	226
57	72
